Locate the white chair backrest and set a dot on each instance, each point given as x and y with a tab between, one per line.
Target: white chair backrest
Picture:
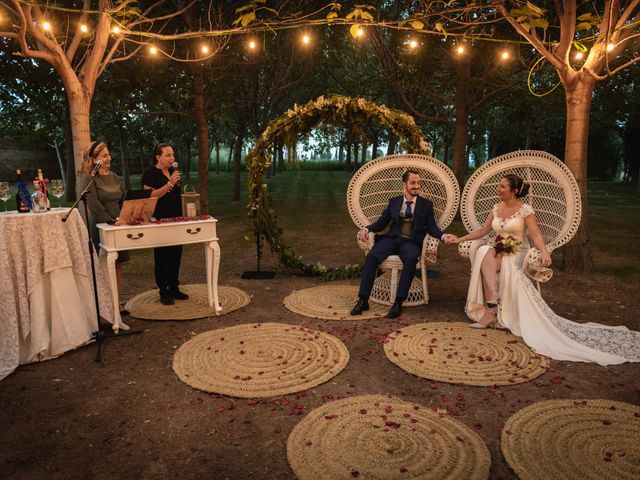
554	193
377	181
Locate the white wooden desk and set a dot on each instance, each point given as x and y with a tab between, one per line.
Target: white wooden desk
135	237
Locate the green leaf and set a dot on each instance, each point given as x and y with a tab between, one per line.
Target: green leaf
537	10
416	24
331	15
539	23
586	17
367	16
354	14
583	26
245	19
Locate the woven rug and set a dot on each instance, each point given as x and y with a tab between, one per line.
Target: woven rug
148	307
259	360
331	302
455	353
574	439
379	437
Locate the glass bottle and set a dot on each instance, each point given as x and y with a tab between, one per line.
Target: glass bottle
41	194
23	199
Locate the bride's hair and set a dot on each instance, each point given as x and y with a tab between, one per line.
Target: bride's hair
516	183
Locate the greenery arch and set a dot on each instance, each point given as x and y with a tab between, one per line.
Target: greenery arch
354	113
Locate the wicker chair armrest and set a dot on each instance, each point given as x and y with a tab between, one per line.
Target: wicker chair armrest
533	268
368	244
429	249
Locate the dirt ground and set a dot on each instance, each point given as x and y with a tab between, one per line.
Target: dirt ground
130	417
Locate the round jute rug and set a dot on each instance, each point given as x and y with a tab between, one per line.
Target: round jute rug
380	437
331	302
148	307
574	439
259	360
455	353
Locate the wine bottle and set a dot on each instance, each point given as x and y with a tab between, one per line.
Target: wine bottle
42	192
23	200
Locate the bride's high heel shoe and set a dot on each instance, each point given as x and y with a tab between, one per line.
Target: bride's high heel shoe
492	309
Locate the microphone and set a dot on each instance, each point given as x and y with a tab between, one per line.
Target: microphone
174	166
96	167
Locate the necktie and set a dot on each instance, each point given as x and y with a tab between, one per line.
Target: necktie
408	213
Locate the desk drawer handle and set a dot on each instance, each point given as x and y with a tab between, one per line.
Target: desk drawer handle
193	232
131	236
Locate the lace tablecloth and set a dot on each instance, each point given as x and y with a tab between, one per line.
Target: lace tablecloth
46	300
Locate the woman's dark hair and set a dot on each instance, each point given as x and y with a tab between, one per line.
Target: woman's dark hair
516	183
157	150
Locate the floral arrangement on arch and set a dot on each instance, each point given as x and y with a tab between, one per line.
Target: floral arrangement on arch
298	121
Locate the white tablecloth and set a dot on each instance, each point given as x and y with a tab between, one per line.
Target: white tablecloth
46	299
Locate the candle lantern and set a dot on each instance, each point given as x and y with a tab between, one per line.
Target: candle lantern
190	202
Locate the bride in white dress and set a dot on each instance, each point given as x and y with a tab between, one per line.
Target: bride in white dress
501	295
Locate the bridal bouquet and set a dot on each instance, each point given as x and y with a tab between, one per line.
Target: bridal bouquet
506	245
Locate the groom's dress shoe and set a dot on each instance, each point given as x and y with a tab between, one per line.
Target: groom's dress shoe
360	307
396	310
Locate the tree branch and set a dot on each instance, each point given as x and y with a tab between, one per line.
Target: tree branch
77	36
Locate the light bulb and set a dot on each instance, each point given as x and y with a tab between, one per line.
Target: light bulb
84	28
252	44
205	49
460	50
360	32
116	30
610	47
153	50
413	43
505	55
46	26
579	55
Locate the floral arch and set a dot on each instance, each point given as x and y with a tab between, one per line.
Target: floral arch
353	113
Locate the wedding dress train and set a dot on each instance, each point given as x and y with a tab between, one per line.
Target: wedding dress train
523	311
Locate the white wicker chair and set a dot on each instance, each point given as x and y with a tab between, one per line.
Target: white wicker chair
369	191
554	196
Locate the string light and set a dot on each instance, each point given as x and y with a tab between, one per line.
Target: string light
610	47
204	49
252	44
116	30
413	44
46	26
306	39
505	55
84	28
460	49
153	50
579	55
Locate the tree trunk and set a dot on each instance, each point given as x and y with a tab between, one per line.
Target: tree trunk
347	165
123	154
461	129
237	164
363	157
391	146
281	158
577	253
217	157
68	154
79	109
230	157
340	153
374	146
203	137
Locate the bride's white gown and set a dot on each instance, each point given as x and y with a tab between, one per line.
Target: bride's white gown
523	311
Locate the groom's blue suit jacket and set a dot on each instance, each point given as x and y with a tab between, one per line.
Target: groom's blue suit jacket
423	219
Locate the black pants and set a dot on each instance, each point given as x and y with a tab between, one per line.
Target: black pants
167	267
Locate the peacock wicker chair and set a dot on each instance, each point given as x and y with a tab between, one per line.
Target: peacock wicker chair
554	196
368	194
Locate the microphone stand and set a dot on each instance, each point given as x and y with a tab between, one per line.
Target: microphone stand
101	333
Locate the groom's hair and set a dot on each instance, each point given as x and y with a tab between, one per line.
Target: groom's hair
407	173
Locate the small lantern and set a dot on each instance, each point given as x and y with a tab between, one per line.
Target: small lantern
190	202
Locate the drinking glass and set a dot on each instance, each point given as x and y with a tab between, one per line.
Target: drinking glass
57	190
5	194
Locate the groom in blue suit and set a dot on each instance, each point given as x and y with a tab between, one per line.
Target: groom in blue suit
409	217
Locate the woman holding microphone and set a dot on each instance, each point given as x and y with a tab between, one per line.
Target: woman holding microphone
162	179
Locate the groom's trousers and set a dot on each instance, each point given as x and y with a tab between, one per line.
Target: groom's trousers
407	249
